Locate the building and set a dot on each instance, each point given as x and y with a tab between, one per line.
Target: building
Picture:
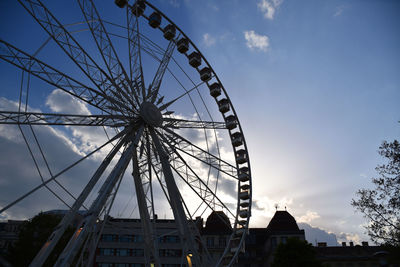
9	232
262	242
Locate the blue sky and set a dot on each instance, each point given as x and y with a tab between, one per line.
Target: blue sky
316	86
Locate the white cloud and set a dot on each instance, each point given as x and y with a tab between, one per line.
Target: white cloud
308	217
339	10
208	40
269	7
256	41
349	237
60	101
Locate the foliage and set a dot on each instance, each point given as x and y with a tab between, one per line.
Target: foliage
381	205
33	235
295	253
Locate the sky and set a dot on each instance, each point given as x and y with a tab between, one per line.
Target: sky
315	84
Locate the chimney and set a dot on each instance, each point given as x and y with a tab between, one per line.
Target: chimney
364	244
321	244
343	244
351	244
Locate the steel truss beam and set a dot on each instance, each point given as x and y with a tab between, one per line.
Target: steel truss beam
73	49
135	58
52	76
151	251
107	51
88	224
52	241
178	123
35	118
156	83
185	146
176	201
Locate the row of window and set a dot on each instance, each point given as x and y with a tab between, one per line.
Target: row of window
102	264
137	252
124	252
122	238
213	242
137	238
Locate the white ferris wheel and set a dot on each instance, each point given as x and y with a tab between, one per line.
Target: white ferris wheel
169	125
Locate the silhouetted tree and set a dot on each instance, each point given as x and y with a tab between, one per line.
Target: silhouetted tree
33	235
295	253
381	205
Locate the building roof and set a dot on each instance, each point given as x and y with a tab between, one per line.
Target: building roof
217	223
282	221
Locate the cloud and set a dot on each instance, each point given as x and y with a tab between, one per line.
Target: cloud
315	234
349	237
339	10
256	41
269	7
208	40
308	217
62	102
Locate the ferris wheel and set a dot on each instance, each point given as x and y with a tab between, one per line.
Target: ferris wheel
168	123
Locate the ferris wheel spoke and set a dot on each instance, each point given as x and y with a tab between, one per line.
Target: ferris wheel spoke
179	123
116	137
75	243
189	175
175	199
115	68
72	48
67	219
155	84
135	57
150	242
35	118
52	76
182	144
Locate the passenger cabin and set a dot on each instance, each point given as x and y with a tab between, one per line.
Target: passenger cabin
215	89
237	139
155	20
230	122
121	3
244	174
183	45
169	31
223	105
244	195
243	213
138	8
194	59
241	156
205	74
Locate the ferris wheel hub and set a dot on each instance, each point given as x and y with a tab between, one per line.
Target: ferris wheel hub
151	114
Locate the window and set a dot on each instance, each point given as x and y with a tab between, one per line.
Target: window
126	238
222	241
169	239
121	265
101	264
122	252
210	241
137	238
109	238
170	252
284	239
137	252
107	251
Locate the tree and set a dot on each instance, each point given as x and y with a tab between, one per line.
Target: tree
33	235
295	253
381	205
